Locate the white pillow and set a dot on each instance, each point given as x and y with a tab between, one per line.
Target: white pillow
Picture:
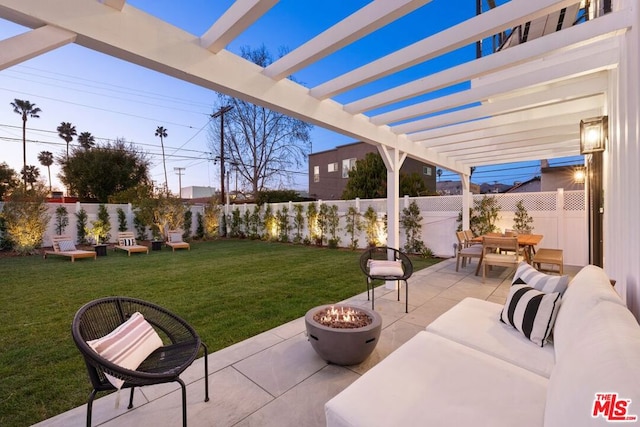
385	268
66	246
175	237
527	275
531	312
128	345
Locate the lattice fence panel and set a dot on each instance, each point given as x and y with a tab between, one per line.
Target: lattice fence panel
543	201
574	201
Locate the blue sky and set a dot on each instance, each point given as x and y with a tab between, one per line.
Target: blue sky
114	99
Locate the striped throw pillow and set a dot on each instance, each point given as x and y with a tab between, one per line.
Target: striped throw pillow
128	345
527	275
128	242
66	246
531	312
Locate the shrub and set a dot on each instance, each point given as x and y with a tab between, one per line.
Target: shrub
411	222
26	219
353	226
81	226
122	220
62	219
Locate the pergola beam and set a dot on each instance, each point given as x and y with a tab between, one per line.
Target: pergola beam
545	95
573	38
233	22
463	34
565	66
373	16
23	47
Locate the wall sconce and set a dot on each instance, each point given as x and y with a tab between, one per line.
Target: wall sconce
593	134
579	175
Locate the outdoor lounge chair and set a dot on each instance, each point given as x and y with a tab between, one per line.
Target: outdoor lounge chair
127	242
102	328
64	245
376	264
174	240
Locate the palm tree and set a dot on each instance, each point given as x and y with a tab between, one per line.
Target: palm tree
46	159
439	173
66	131
30	174
86	140
162	133
26	109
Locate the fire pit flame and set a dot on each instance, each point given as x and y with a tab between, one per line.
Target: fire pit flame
342	317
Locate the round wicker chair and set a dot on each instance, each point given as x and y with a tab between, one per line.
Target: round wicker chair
181	345
386	253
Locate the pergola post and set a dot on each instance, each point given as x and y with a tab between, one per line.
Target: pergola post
393	160
467	197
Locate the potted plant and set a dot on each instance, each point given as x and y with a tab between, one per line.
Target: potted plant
98	233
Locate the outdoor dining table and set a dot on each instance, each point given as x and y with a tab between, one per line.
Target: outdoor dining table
527	241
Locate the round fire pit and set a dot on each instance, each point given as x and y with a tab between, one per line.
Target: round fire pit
343	334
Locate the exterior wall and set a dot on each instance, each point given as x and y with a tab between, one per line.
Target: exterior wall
197	192
331	185
559	177
622	167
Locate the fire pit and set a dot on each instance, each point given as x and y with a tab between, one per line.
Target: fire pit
343	334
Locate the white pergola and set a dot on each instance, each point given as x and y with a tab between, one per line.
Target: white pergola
526	101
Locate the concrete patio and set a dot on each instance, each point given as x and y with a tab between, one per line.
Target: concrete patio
276	379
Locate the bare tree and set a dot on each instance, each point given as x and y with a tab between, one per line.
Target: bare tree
263	145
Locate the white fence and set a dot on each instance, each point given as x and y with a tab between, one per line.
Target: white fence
560	216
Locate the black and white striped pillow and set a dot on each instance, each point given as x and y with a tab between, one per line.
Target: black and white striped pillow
531	312
527	275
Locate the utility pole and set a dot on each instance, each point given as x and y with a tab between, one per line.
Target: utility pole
179	172
220	113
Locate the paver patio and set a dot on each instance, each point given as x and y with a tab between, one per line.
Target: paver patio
276	379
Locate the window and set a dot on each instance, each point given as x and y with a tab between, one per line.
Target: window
347	165
332	167
427	170
316	174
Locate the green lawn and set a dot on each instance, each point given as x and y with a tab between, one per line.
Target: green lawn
228	290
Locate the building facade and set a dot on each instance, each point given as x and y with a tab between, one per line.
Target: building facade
329	170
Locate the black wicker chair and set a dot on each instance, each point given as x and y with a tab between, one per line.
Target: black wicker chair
386	253
181	347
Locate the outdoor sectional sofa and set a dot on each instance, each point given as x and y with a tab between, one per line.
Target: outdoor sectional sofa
470	369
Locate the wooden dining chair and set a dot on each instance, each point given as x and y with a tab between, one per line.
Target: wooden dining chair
465	251
492	254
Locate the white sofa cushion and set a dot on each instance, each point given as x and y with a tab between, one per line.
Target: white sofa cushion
476	324
603	358
433	381
589	287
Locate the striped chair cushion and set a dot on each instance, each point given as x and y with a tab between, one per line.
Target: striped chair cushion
531	312
128	345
